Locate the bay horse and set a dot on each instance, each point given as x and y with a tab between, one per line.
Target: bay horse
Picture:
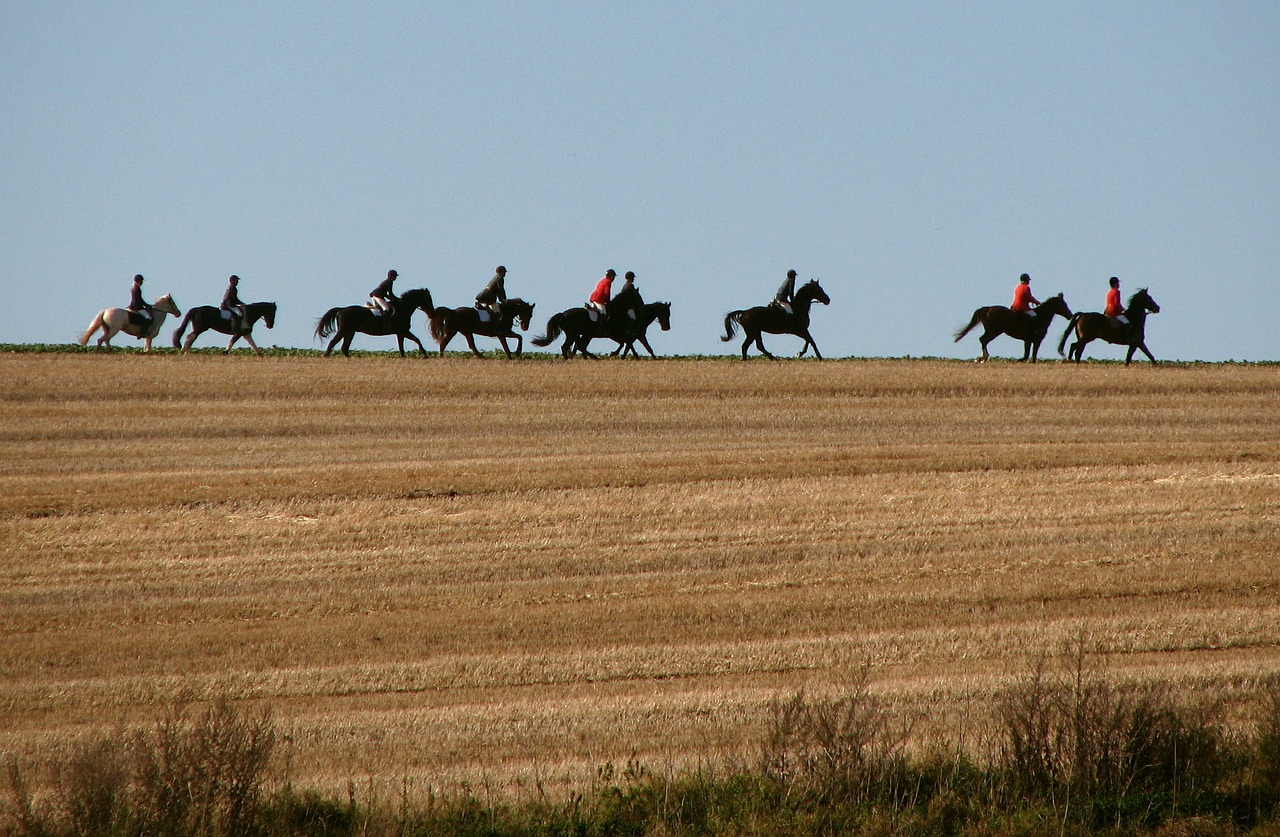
447	322
634	330
1030	329
204	318
112	321
1093	325
344	322
774	320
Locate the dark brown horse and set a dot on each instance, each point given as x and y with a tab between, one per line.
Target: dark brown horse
1092	325
772	319
343	323
447	322
630	331
202	318
1029	328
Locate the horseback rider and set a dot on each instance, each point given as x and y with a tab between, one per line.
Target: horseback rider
599	300
233	306
1115	309
786	293
139	307
628	297
1023	298
383	297
494	294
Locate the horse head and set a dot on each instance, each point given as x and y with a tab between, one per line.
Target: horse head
269	314
1055	305
167	305
418	298
521	310
1142	301
811	291
663	310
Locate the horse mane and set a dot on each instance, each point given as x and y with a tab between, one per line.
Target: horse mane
1140	292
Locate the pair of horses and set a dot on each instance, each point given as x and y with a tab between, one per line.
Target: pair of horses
202	318
343	323
1031	329
579	329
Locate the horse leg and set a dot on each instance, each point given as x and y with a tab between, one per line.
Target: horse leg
760	346
329	349
644	341
422	350
346	344
808	341
471	341
248	338
1133	347
984	340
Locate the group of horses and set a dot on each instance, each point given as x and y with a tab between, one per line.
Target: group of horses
579	326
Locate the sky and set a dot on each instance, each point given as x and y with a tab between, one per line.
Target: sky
915	157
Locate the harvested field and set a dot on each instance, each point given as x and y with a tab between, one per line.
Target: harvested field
506	573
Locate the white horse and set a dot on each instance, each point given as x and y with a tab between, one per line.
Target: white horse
112	321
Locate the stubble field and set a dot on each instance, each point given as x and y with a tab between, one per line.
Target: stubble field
508	574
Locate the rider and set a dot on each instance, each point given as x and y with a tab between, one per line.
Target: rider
628	297
599	298
232	305
1115	309
137	305
1022	297
494	293
786	292
382	297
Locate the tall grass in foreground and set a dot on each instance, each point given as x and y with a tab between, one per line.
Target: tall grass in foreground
1073	753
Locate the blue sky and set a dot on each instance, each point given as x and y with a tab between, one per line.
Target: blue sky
915	157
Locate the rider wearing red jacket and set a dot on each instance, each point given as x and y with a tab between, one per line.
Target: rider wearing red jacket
1114	307
1022	297
604	290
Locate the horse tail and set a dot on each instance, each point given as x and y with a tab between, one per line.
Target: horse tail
327	323
977	317
1071	324
177	335
731	325
93	326
553	331
437	319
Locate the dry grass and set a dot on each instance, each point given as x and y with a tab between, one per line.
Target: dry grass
506	573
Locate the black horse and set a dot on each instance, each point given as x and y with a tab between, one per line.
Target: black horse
446	322
208	317
775	320
635	330
1030	329
1092	325
343	323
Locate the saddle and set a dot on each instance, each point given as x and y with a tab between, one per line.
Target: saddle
141	319
484	315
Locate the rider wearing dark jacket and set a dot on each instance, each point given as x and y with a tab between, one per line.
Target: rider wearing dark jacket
231	304
628	297
137	304
383	295
786	292
494	293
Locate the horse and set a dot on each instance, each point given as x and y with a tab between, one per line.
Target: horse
112	321
633	330
1091	325
202	318
446	322
774	319
1030	329
343	323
